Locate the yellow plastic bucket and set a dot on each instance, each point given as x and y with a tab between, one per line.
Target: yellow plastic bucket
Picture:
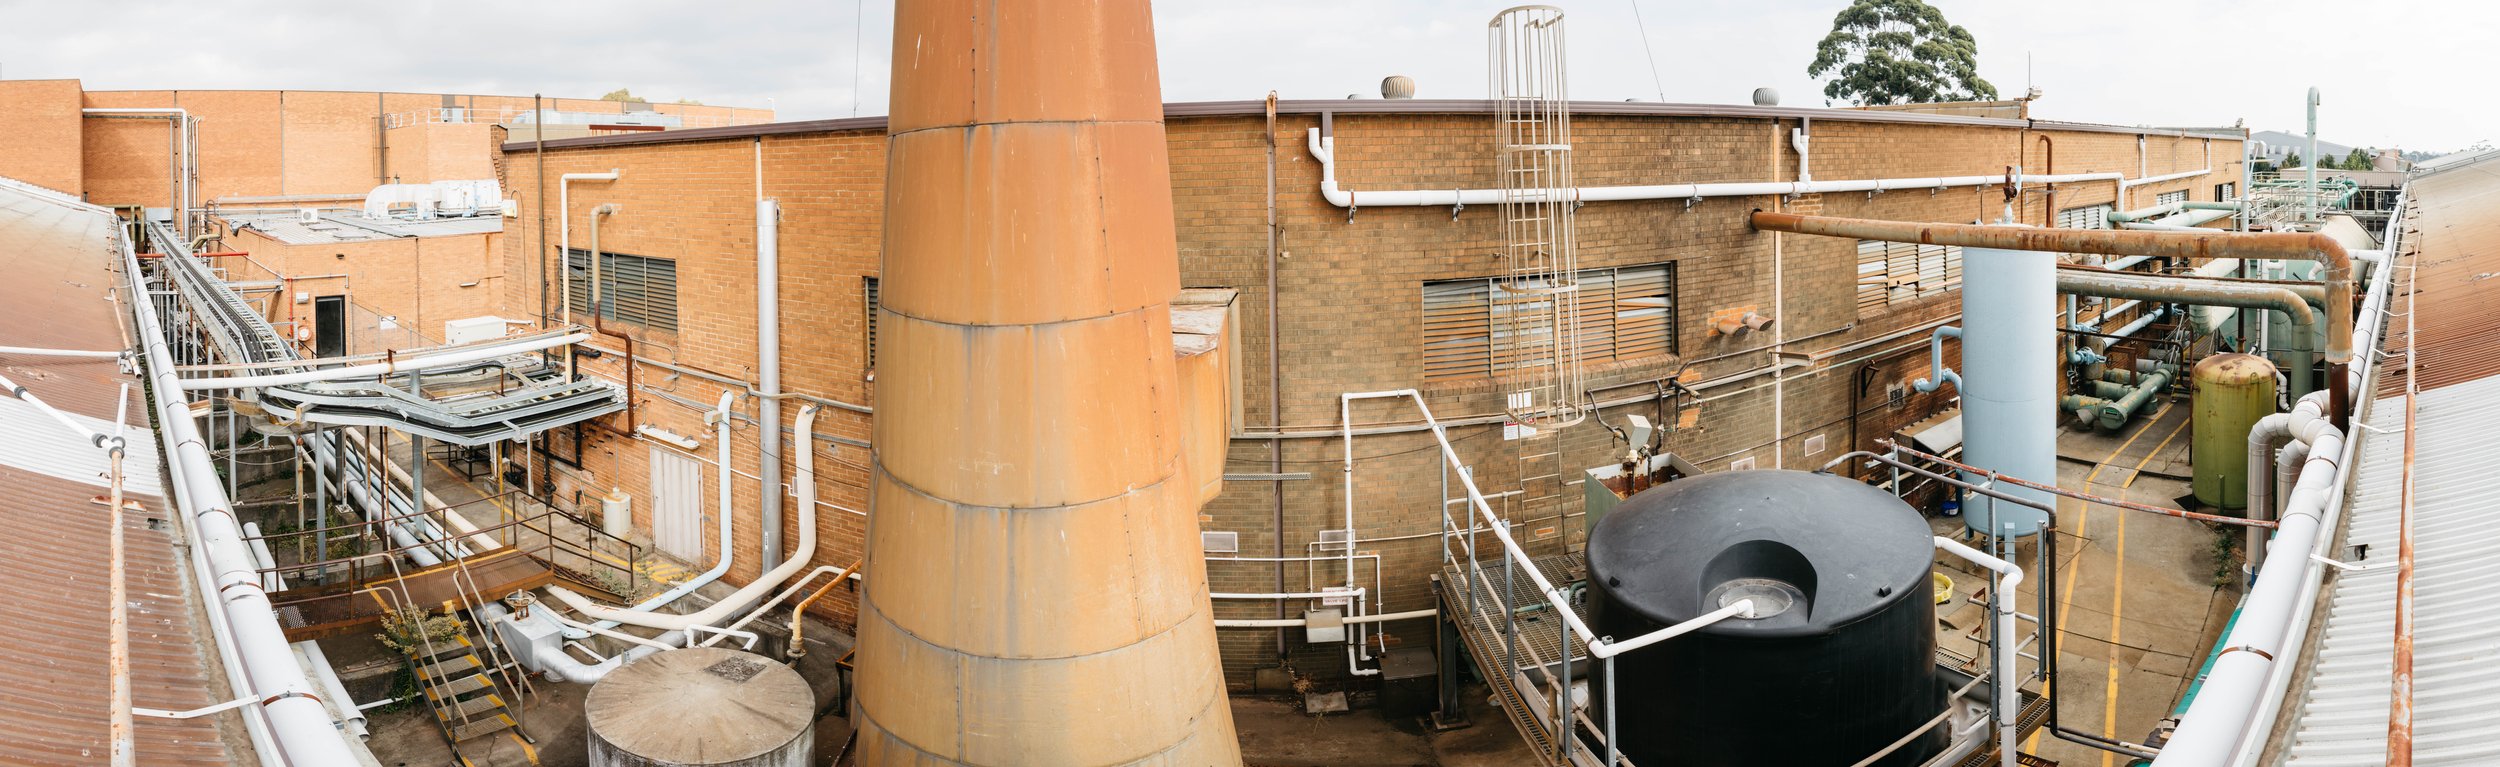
1944	587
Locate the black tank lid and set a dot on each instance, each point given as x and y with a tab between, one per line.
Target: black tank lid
1836	550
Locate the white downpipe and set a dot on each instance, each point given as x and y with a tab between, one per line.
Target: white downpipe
768	380
418	363
2010	578
564	230
642	614
298	724
1324	150
745	595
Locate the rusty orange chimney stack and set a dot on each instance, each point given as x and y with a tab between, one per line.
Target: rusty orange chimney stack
1035	593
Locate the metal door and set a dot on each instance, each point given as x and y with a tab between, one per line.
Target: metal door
676	504
330	326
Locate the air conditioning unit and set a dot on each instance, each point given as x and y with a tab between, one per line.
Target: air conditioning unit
307	215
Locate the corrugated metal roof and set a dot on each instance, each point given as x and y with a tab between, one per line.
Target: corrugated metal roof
2455	228
54	679
2342	716
349	226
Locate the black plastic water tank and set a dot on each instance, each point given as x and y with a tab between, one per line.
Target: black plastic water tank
1840	661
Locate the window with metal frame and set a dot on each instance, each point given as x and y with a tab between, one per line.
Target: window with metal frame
1896	273
869	289
1625	313
2226	191
2166	198
634	289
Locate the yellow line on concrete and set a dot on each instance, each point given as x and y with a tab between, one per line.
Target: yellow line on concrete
2083	519
2118	601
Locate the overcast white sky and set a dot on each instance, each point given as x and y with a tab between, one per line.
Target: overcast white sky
2408	73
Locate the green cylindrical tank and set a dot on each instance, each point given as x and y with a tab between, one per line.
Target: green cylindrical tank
2231	391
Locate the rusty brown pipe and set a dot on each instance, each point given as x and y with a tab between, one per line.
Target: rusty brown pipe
798	615
2302	246
2185	290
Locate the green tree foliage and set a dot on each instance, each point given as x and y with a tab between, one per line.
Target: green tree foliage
2358	160
2292	159
1898	52
621	94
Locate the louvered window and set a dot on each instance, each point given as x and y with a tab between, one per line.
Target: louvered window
634	289
1895	273
2087	217
2166	198
1624	313
870	287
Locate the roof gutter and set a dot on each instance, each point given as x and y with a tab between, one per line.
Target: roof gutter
2304	246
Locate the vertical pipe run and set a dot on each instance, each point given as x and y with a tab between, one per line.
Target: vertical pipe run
1040	595
768	358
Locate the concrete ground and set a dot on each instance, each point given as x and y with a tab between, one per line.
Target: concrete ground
2141	596
1275	733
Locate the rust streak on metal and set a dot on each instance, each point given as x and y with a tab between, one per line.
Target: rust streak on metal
2400	683
2075	494
2305	246
1040	595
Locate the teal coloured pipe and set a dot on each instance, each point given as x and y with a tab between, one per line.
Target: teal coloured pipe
2140	214
2115	414
1935	362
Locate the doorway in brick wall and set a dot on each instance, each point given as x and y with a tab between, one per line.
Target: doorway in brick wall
677	504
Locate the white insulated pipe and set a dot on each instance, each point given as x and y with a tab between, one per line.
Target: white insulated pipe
1324	150
2009	583
2223	708
1935	362
768	384
564	231
641	614
298	724
745	595
419	363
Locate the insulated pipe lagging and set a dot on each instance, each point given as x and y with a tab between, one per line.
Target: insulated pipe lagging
746	595
2115	414
1935	362
287	700
719	417
2210	729
376	369
768	381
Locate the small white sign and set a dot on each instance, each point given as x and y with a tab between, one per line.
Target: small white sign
1512	430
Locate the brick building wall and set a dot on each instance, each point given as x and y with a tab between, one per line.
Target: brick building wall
41	140
1348	301
255	143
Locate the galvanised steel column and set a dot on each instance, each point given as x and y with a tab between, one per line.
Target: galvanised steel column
1034	593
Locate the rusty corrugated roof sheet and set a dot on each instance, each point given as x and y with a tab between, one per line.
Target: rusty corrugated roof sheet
54	678
2455	231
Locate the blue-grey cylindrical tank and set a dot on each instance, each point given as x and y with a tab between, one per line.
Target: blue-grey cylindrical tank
1838	663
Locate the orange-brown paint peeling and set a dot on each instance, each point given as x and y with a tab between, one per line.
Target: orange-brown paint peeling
1036	594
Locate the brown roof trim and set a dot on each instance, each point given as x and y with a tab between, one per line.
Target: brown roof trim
1376	106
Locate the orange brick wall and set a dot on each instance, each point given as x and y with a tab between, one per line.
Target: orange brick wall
418	280
41	134
1348	303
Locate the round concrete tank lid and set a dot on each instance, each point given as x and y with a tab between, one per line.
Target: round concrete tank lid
700	705
2233	368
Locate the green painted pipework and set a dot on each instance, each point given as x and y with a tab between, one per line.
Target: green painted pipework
2115	414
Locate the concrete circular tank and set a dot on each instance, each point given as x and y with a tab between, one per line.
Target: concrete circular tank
701	706
1839	661
2231	392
